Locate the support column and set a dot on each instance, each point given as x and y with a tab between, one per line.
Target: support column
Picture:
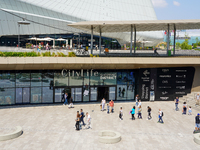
66	43
18	36
100	40
174	39
134	38
167	39
70	43
91	40
131	45
53	43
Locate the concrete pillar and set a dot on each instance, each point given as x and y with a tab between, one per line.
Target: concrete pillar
91	40
66	42
174	39
131	45
134	38
167	39
53	43
70	43
100	40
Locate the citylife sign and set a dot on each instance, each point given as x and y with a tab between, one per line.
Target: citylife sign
103	76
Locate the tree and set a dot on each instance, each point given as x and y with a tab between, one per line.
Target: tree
178	45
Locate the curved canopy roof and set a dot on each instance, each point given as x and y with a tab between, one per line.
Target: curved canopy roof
140	25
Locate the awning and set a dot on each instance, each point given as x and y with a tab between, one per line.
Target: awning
140	25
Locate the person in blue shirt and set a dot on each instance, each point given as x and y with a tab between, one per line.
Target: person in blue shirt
176	103
82	117
133	113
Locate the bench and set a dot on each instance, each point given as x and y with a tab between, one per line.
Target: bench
109	137
12	135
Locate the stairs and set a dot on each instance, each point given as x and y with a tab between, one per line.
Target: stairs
190	100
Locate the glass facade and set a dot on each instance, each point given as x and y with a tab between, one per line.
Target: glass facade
49	86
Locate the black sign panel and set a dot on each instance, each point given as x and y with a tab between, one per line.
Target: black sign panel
165	83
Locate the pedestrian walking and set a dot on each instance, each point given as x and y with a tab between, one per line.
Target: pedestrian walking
77	121
140	103
82	117
71	103
140	112
136	99
176	104
160	115
66	97
103	102
197	99
111	103
190	110
120	113
119	91
108	108
184	111
133	113
197	122
149	113
88	118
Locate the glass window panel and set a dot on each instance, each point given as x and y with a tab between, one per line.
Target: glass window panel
131	86
47	95
93	95
19	95
36	95
7	79
122	78
111	93
60	80
23	80
59	95
95	79
76	78
109	78
36	79
121	92
7	96
26	95
86	87
47	79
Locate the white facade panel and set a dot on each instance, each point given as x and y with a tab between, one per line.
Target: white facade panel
44	15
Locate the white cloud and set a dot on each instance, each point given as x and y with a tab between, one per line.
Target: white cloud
176	3
159	3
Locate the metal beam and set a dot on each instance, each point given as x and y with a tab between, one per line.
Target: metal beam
131	39
91	40
18	36
174	39
100	40
134	38
167	39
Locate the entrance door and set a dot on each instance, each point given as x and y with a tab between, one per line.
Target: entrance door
60	92
22	95
103	92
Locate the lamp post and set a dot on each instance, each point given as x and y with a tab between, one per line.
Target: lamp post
23	22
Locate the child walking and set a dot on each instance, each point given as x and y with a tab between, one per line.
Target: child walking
140	112
120	114
190	110
108	108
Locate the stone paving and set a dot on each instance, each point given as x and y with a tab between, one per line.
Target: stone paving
51	127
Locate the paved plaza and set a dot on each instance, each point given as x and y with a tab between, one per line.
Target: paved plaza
51	127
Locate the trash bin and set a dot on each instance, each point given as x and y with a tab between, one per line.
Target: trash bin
169	52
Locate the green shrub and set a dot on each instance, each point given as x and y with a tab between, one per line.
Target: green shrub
91	55
71	54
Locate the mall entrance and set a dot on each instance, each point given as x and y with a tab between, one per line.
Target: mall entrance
103	92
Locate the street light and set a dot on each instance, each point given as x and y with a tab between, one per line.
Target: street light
23	22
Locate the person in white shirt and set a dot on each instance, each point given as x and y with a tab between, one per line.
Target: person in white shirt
197	99
136	99
88	121
140	103
120	114
160	115
103	102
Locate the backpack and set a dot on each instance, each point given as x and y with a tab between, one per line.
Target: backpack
162	114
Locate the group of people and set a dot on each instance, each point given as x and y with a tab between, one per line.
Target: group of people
184	110
80	118
110	106
68	100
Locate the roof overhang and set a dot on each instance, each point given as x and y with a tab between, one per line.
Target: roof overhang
140	25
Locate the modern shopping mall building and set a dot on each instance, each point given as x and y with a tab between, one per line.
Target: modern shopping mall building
34	80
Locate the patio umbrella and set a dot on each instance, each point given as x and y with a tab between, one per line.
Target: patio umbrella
60	39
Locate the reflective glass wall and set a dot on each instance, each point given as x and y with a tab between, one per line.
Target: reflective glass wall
49	86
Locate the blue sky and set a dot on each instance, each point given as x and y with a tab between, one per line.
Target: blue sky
177	9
